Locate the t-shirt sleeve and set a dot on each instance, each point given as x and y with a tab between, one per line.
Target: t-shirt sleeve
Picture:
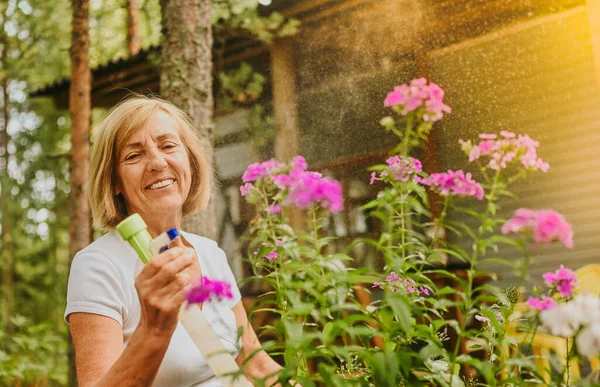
227	275
95	286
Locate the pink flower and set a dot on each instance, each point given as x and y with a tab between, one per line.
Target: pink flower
425	99
392	277
374	178
545	226
311	188
424	290
541	303
274	209
506	150
299	162
278	242
400	168
259	170
246	189
272	255
282	181
207	290
563	279
253	172
377	285
482	318
454	183
295	185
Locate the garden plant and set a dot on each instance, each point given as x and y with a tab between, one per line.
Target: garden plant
423	324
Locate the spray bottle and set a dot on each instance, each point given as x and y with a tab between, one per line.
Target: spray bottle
134	230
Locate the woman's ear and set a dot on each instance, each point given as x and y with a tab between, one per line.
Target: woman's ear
117	187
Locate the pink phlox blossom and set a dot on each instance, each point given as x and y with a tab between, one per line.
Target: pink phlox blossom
400	168
563	279
256	171
311	188
282	181
393	282
278	242
541	303
274	209
272	255
208	290
418	94
454	183
246	189
545	226
253	172
299	162
392	277
374	178
506	150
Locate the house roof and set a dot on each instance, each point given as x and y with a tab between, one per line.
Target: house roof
140	73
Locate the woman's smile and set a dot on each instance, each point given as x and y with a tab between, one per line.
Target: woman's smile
154	171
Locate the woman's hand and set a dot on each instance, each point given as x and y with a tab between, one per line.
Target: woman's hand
161	287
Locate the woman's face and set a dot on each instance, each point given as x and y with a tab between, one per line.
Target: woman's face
154	169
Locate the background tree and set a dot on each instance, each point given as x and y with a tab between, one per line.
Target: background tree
133	27
80	109
186	79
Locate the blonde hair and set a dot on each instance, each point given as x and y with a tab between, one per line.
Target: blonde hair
121	122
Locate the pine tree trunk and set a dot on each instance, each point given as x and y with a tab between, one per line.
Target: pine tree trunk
186	79
80	111
133	27
6	249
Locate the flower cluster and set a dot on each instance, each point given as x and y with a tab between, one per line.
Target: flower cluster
545	226
400	168
207	290
295	184
504	150
393	282
426	99
454	183
541	303
565	320
563	280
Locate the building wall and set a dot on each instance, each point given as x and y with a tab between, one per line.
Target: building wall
536	77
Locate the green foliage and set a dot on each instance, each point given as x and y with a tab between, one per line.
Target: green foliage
33	355
421	315
242	18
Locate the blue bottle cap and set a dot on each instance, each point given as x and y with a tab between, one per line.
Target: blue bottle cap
172	233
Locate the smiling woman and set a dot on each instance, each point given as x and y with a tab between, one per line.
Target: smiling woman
146	159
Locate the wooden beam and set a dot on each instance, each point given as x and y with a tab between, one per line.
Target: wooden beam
287	137
285	109
593	8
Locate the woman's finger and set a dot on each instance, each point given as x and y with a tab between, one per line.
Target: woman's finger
171	270
156	264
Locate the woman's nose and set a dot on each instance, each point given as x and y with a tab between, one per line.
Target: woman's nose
157	161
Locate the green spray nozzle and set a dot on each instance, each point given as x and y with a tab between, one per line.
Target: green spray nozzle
134	230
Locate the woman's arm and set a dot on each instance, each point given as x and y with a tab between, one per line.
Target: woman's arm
98	340
100	358
260	365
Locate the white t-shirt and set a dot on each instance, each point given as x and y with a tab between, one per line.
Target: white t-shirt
102	282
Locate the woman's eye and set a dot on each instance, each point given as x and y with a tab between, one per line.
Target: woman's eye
169	146
132	156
